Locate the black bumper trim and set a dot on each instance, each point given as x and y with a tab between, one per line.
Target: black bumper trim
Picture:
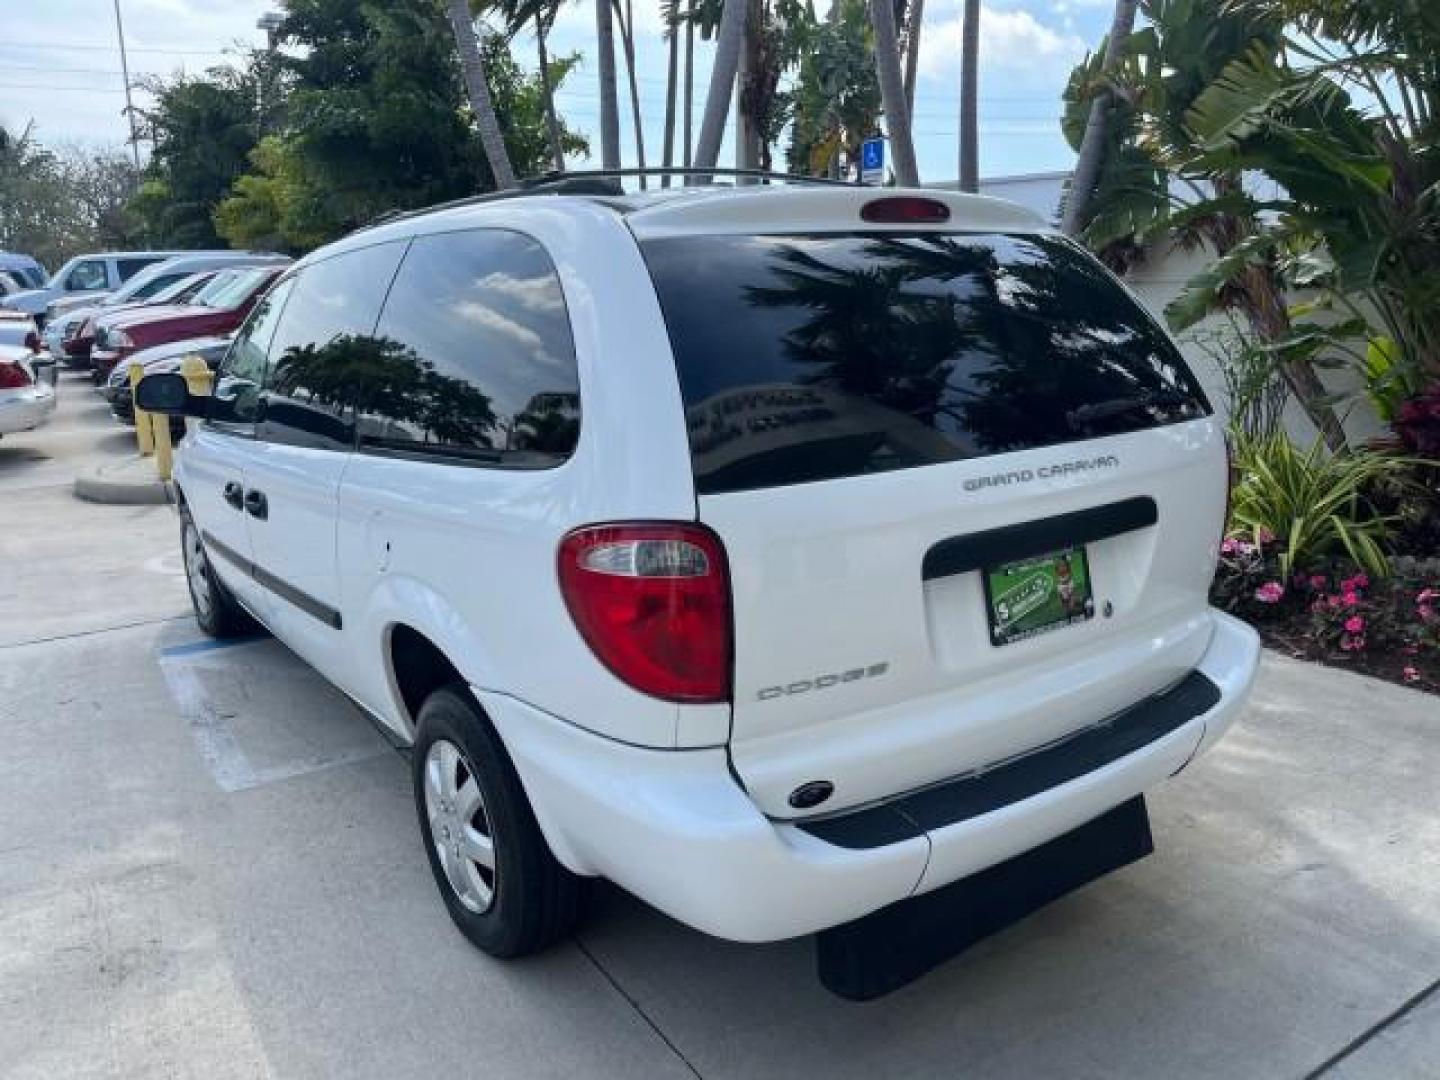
1021	778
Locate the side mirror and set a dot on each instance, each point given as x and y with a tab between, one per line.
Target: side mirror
167	394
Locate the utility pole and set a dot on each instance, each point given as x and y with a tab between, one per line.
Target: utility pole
125	73
270	22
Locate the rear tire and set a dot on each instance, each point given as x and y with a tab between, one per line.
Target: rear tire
473	812
217	612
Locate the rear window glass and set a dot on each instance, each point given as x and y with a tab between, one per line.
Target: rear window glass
805	358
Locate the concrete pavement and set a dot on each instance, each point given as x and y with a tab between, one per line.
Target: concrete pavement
209	867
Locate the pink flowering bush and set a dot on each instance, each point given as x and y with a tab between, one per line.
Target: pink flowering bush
1353	616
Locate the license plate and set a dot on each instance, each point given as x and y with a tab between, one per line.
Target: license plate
1038	595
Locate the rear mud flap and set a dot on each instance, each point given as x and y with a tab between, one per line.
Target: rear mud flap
892	947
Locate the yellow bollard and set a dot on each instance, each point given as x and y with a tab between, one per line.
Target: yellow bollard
164	457
197	375
144	432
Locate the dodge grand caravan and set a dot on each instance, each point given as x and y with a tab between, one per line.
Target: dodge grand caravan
777	554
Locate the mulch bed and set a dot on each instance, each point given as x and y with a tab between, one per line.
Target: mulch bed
1290	637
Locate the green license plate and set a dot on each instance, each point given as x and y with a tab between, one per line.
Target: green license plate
1038	595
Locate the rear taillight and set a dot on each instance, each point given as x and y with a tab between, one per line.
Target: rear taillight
13	376
653	603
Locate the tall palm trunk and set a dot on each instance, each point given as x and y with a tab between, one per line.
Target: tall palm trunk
970	98
912	55
609	98
728	42
892	92
627	43
491	139
552	122
747	75
689	81
667	148
1092	145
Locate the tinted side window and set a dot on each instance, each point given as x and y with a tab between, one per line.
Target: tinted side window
324	359
477	355
128	268
236	396
806	358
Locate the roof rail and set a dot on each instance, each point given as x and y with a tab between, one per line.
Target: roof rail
601	182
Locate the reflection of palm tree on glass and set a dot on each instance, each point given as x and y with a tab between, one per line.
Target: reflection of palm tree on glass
1001	335
549	423
867	333
379	377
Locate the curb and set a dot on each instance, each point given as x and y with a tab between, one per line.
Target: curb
123	484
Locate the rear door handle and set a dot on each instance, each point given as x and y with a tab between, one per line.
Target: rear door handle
234	494
256	505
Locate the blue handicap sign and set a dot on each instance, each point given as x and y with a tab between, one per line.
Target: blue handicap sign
872	154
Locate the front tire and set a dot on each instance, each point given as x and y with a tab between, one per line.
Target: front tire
503	887
218	613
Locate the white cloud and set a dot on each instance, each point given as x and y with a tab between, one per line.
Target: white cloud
1013	42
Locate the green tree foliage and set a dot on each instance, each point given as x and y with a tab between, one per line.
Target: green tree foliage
204	128
835	103
376	120
374	115
58	202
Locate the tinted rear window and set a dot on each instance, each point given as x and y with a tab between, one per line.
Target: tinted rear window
806	358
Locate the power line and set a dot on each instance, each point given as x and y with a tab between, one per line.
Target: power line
11	43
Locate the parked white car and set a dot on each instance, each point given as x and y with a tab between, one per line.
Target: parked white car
776	554
27	388
84	275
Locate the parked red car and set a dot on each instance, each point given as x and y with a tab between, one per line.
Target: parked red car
218	308
80	338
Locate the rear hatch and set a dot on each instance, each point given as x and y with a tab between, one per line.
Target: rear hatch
969	492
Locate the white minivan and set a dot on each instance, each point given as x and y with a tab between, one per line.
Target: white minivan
776	553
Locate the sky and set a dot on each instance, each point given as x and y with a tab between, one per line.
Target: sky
60	67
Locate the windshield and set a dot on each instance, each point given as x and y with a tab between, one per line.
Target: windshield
180	291
147	283
228	291
850	354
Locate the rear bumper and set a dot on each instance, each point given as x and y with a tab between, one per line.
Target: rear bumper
673	826
22	410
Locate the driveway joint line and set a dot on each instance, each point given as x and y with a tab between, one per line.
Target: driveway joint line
1373	1030
615	984
92	633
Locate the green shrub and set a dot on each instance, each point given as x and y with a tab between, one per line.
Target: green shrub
1314	502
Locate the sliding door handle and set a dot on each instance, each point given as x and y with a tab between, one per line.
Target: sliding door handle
234	494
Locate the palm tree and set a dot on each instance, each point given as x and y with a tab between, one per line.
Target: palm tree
1166	83
913	21
728	43
667	147
552	122
969	98
627	44
892	91
491	139
1092	146
609	102
689	96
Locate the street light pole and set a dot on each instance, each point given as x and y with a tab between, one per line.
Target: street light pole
125	74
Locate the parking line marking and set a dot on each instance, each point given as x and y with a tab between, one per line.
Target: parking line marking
189	648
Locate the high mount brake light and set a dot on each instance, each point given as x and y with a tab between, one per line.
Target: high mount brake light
653	603
905	209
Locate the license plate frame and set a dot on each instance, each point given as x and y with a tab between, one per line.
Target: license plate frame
1037	597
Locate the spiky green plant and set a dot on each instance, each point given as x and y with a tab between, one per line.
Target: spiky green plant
1314	502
